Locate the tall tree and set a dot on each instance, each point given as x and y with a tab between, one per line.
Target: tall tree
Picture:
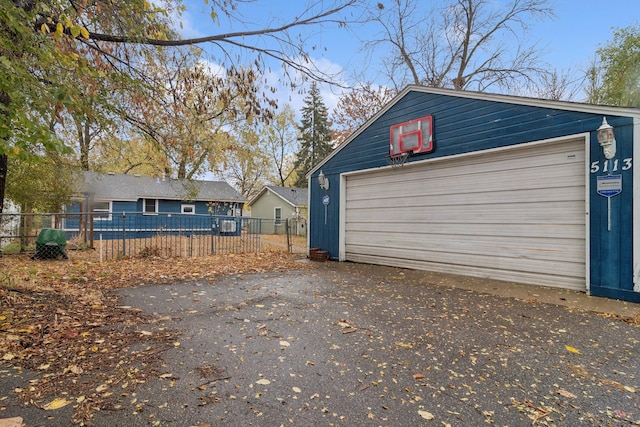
314	134
99	40
26	101
356	106
465	44
189	107
614	77
136	155
280	141
44	184
245	166
557	85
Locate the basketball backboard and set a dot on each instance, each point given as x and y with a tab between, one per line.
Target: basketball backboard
414	136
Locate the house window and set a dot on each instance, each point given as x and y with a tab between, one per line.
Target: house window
188	209
102	211
150	206
277	215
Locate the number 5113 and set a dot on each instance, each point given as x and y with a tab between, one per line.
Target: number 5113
612	165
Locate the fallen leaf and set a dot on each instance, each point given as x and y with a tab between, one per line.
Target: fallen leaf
284	344
75	369
426	415
263	381
56	404
572	349
565	393
296	389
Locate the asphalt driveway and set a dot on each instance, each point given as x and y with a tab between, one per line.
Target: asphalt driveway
356	345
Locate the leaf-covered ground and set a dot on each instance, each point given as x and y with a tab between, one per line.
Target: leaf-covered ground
61	320
266	340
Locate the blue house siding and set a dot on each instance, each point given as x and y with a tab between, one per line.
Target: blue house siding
468	124
127	217
611	251
137	225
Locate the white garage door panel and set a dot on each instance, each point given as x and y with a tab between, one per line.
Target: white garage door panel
417	197
486	265
555	213
570	231
526	253
499	180
508	275
516	215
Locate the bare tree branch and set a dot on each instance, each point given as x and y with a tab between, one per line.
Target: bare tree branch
462	44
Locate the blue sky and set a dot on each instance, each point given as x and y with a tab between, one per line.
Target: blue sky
569	40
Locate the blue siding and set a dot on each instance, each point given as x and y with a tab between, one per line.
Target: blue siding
611	251
127	216
462	125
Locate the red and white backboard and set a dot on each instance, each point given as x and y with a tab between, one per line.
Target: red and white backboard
414	136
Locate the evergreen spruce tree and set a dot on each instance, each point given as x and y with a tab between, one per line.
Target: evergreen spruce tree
315	135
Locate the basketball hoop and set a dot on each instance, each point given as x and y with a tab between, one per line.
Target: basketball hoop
398	160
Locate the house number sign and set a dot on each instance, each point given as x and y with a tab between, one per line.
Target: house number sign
609	166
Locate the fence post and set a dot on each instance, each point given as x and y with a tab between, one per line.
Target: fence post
91	220
287	229
124	233
213	235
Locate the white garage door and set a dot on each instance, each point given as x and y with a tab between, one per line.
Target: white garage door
517	214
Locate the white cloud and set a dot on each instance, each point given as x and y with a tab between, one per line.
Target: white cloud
212	68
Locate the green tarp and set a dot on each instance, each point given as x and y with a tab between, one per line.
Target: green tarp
50	244
50	235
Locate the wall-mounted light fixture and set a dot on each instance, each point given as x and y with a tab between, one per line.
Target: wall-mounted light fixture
323	181
607	139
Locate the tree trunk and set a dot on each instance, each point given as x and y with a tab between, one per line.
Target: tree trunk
3	178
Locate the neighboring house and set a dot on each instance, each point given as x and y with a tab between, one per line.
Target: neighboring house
277	204
116	199
501	187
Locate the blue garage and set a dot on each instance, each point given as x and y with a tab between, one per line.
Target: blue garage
508	188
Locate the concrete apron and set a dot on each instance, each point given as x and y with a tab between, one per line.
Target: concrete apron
533	293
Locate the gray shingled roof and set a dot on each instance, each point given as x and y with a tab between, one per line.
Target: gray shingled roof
134	187
295	196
